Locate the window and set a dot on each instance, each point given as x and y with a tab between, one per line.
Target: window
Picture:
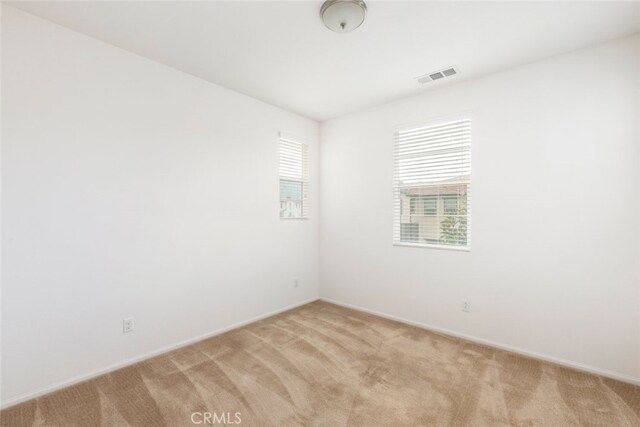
432	171
430	204
450	205
412	205
294	179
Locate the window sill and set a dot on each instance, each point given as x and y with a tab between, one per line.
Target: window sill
432	246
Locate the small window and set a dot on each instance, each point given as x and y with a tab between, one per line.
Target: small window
450	205
432	170
294	179
430	205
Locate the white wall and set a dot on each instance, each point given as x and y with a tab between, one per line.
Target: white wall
132	189
554	267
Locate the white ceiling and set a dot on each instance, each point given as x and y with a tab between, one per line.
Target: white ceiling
281	53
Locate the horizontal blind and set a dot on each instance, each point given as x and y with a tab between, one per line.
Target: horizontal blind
432	184
294	179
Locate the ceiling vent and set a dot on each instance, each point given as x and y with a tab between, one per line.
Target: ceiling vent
437	75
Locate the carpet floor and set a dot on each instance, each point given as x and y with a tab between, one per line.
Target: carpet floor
325	365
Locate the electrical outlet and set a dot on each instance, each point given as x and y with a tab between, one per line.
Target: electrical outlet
295	283
127	325
466	306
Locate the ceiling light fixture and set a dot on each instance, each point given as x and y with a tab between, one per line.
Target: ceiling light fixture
343	16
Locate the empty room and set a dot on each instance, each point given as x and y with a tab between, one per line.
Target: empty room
320	213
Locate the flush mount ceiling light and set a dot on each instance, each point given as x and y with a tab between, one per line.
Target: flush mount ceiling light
343	16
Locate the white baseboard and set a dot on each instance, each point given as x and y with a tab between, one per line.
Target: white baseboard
527	353
57	386
90	375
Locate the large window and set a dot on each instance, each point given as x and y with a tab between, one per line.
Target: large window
294	179
432	185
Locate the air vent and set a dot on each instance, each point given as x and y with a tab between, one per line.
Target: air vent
437	75
449	72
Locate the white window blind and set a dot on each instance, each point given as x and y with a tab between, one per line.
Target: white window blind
294	179
432	185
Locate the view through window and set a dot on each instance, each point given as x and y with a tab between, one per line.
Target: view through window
294	179
432	188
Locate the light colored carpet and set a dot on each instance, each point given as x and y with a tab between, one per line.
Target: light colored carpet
325	365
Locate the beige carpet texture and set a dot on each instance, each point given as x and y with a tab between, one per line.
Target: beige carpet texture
324	365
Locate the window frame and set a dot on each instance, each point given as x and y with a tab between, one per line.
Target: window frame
396	197
304	181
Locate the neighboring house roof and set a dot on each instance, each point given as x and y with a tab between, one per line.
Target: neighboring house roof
449	186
